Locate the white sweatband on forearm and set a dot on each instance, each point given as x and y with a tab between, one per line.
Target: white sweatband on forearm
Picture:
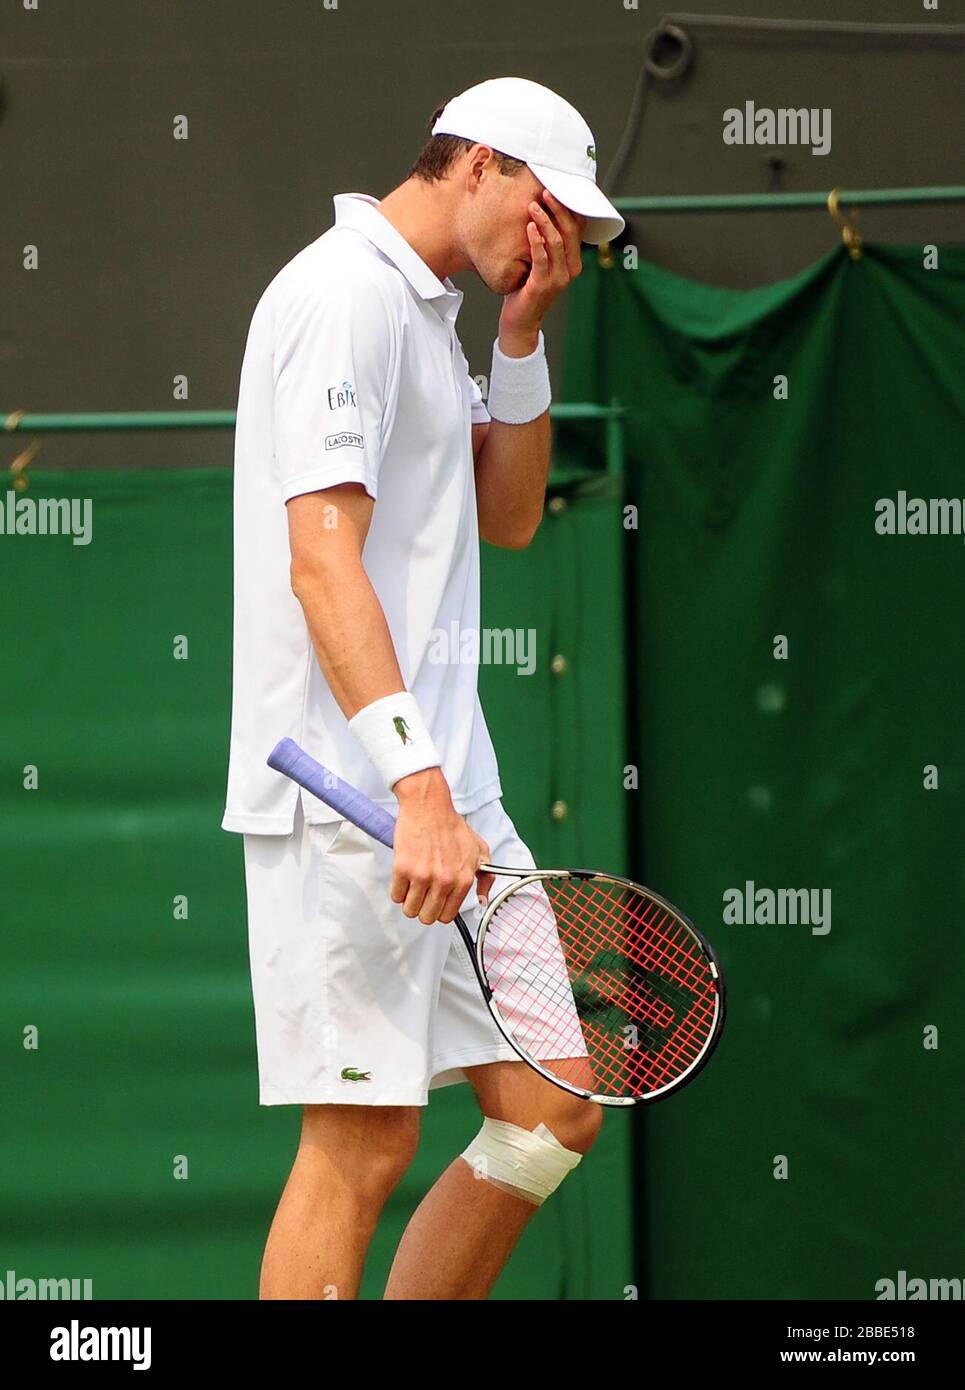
519	387
393	734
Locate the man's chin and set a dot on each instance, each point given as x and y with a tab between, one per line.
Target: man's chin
515	278
506	281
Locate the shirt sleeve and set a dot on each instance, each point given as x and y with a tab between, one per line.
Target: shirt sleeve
336	383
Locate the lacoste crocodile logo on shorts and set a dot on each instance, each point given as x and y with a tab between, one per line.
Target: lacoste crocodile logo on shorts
402	729
353	1074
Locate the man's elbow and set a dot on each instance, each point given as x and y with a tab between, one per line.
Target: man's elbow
296	578
511	535
519	540
314	576
301	578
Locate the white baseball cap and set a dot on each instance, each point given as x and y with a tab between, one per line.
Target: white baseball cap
529	122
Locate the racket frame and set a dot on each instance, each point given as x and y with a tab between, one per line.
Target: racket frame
475	948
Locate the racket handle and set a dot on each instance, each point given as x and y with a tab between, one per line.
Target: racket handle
354	805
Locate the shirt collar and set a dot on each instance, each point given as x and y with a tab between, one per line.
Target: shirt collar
360	212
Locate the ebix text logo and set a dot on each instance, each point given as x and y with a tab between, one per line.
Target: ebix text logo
339	396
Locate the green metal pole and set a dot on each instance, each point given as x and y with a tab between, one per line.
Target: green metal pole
201	419
615	440
122	420
763	202
585	411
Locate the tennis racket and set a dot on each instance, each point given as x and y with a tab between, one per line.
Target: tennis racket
598	984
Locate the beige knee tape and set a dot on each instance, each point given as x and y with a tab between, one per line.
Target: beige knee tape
527	1163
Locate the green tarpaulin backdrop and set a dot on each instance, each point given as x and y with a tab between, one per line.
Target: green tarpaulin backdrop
757	520
145	1056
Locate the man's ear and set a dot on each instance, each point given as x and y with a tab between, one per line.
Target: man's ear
480	158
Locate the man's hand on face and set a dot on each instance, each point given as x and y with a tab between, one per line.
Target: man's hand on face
554	240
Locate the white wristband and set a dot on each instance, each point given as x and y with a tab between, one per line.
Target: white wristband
393	734
519	387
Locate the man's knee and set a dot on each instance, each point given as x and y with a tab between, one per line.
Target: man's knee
385	1164
367	1149
513	1092
532	1162
577	1123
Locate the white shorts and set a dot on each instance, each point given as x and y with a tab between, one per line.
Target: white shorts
356	1004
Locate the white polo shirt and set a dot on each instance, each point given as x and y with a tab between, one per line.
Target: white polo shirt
353	372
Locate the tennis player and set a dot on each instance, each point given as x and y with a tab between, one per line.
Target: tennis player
367	466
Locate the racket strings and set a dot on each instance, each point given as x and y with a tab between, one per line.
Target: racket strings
554	1019
672	949
600	983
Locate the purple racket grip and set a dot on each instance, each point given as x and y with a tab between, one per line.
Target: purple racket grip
354	805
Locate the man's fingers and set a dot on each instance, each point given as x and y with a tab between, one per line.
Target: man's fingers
451	906
430	882
537	246
551	234
484	881
432	905
484	885
572	226
414	899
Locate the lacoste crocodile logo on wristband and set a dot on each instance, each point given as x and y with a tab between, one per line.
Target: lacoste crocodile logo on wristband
402	729
353	1074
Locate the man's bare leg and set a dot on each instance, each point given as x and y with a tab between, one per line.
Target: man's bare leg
350	1157
465	1229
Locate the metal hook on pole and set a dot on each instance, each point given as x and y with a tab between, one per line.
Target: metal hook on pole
19	466
849	231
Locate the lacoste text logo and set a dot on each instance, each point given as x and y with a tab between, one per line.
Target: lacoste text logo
343	441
